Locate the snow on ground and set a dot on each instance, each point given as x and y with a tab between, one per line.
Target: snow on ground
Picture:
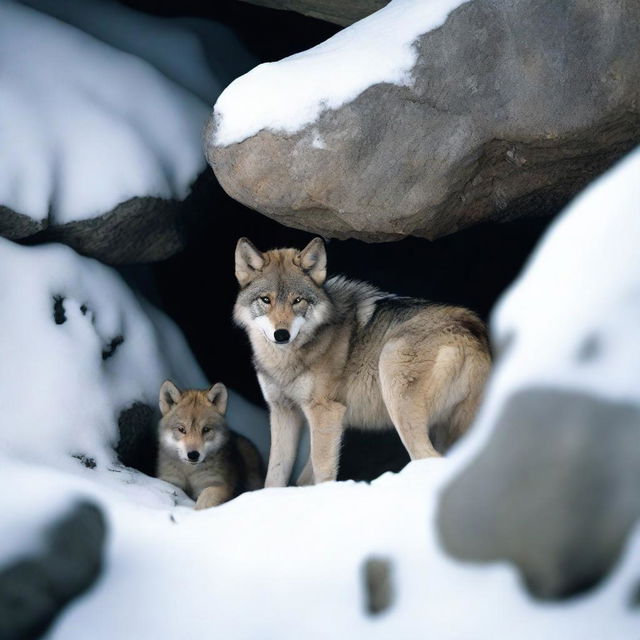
85	126
287	563
290	94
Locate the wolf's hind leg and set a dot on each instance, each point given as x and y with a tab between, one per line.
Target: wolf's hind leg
416	383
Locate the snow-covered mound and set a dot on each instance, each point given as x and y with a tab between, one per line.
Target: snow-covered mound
78	347
87	126
287	95
552	466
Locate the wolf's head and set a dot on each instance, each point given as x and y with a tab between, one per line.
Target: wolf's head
192	424
281	294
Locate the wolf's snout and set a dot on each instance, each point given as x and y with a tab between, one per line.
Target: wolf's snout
281	336
193	456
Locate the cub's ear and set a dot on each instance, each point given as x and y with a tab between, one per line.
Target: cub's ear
217	396
313	261
249	261
169	396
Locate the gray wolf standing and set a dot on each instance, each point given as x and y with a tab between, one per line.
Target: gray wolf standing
342	353
198	452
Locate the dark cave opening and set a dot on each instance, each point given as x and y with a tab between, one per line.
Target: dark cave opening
197	287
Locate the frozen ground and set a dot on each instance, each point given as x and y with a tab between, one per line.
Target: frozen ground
287	95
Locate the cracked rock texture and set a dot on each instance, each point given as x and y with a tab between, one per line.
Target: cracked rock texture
514	108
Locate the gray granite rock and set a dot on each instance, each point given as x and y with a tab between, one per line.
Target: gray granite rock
515	107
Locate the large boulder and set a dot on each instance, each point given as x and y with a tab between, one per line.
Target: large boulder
425	118
100	125
551	481
342	12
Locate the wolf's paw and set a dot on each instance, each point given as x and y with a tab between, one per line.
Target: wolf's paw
212	497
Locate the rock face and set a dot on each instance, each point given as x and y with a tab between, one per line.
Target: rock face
34	589
512	109
342	12
553	485
140	230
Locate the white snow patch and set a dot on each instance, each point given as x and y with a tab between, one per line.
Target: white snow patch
287	95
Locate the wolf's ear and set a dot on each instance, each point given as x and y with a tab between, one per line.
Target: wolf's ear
169	396
248	261
313	260
217	396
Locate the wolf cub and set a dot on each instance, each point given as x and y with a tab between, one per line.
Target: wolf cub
198	452
340	353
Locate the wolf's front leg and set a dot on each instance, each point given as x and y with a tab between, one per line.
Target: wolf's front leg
286	424
213	495
326	428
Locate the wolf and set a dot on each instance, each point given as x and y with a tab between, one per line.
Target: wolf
198	452
340	353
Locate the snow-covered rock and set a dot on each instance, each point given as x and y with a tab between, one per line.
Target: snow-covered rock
100	145
427	117
553	468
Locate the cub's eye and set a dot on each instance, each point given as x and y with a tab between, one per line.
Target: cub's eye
182	430
206	429
265	299
297	301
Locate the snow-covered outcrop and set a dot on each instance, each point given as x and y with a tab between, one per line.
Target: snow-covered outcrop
78	349
551	482
293	563
427	117
100	145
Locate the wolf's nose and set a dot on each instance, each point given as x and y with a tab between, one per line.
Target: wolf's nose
193	455
281	336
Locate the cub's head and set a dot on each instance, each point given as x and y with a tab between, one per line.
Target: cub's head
282	299
192	424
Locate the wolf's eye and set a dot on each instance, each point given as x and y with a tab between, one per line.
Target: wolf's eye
265	299
297	301
182	430
206	429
